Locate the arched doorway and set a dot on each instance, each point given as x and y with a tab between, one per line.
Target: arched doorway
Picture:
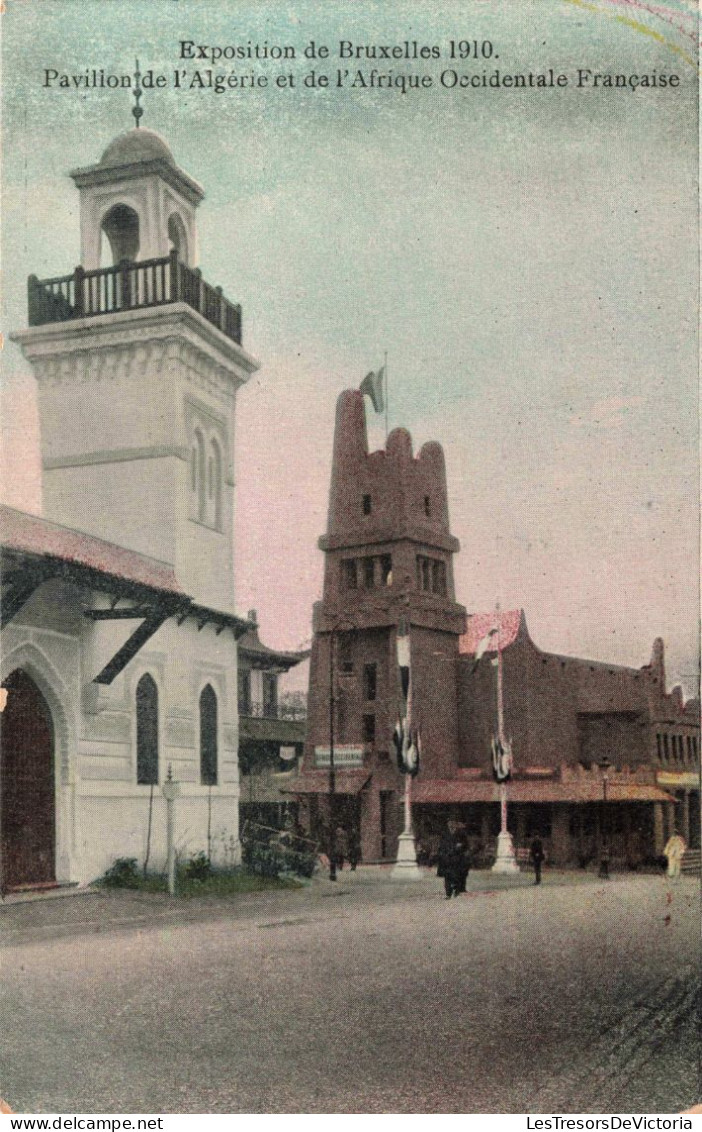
27	788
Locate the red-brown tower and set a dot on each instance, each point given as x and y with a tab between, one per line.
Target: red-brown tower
388	560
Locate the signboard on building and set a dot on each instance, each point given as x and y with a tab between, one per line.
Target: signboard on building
345	755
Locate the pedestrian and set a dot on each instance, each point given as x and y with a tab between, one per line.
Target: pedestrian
675	851
449	863
341	847
604	861
536	853
354	848
463	861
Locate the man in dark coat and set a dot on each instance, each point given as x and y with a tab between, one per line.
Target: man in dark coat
449	863
536	852
463	861
354	847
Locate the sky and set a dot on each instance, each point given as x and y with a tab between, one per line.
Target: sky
526	258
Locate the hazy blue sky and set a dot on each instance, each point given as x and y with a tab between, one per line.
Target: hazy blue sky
528	259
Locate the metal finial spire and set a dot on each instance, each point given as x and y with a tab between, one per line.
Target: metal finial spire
137	110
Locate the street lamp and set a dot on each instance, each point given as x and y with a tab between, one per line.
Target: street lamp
605	766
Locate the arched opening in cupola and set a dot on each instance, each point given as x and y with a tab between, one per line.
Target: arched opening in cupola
178	237
121	227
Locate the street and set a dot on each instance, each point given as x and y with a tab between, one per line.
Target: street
365	997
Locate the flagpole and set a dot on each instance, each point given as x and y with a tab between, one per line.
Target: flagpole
406	867
501	720
505	860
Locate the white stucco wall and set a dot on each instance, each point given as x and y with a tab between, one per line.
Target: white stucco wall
101	811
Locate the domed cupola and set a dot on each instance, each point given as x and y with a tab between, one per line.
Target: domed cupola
136	203
136	145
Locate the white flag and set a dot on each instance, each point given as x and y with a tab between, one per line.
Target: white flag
485	644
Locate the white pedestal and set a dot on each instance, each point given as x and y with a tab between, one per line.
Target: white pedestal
505	861
406	867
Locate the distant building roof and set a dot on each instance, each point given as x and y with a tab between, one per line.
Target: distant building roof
30	534
479	625
264	657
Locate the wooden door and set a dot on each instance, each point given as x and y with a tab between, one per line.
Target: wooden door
27	798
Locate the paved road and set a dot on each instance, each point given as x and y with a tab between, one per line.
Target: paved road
368	997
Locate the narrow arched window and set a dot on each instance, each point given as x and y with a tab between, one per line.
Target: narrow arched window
215	485
197	475
208	737
147	731
177	237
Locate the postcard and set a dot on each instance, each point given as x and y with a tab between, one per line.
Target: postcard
350	555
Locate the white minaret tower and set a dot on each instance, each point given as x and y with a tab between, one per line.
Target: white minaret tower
138	361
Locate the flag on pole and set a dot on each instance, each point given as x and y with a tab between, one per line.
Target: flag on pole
398	738
372	386
486	643
501	759
405	737
403	658
413	753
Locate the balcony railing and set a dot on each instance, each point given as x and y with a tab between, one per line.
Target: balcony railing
294	712
131	286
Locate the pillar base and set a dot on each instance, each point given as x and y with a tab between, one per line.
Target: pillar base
406	867
505	861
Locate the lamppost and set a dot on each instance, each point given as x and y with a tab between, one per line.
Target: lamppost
605	766
171	790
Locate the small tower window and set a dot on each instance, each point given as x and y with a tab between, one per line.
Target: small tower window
427	505
370	681
121	226
147	731
439	577
369	729
367	504
208	737
349	573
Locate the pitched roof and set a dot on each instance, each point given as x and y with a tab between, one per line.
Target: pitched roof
479	625
29	534
263	656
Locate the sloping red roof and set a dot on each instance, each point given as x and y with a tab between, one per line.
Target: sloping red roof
480	624
444	791
29	534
